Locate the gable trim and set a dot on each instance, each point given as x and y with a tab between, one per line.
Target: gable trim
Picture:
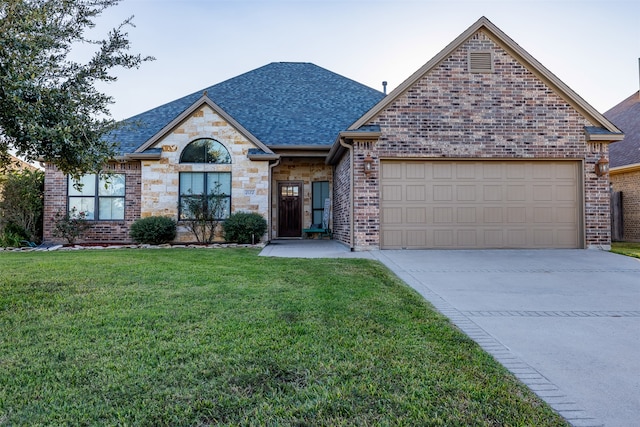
514	50
204	100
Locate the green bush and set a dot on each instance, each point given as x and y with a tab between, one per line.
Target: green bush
244	227
153	230
10	240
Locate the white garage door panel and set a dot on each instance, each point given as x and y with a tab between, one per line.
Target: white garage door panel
480	204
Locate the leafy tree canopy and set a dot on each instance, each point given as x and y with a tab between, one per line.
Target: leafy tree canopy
49	106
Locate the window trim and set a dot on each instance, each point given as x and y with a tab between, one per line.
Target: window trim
205	162
96	196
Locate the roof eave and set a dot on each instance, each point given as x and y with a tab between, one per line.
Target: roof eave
263	157
635	167
142	156
605	138
349	136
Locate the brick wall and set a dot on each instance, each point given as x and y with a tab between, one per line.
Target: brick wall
342	200
55	200
629	184
509	113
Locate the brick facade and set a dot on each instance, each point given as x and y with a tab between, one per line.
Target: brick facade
342	200
55	200
628	183
452	113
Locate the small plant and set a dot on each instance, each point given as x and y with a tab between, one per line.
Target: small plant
153	230
202	213
70	224
10	240
244	227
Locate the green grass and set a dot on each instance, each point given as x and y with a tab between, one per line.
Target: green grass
628	249
179	337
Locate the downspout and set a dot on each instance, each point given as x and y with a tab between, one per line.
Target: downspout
270	199
351	184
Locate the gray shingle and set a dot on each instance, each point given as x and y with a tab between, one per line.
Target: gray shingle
626	116
282	103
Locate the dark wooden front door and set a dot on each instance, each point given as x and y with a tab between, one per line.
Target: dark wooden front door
289	209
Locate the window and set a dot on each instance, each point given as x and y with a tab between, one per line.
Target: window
205	150
209	191
99	197
319	193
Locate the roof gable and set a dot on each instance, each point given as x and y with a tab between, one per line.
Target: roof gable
511	47
279	104
204	100
626	115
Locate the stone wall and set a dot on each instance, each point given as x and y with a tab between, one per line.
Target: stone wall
160	178
629	184
307	170
508	113
152	186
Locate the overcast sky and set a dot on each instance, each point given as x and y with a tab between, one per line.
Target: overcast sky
591	45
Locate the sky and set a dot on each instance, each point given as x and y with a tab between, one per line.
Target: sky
593	46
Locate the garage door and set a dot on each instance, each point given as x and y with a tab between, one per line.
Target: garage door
480	204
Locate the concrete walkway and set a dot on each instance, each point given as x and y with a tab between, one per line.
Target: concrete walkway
565	322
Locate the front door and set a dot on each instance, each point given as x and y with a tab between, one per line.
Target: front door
289	209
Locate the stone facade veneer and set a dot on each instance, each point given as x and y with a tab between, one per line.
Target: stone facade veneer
307	171
160	178
152	186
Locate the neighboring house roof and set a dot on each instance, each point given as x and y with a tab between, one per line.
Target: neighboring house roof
626	115
281	104
604	129
17	164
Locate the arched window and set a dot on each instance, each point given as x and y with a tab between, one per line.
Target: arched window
205	150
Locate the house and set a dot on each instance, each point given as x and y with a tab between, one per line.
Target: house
482	147
625	165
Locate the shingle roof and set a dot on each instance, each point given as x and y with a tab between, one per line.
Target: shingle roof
626	116
282	103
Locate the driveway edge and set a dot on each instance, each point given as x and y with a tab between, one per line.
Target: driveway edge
534	380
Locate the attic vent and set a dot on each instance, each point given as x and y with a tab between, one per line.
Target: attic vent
480	62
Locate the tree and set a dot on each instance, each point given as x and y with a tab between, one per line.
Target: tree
49	105
21	203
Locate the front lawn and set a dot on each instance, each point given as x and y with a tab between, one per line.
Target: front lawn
195	337
628	249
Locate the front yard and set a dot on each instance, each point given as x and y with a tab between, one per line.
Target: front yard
626	248
200	337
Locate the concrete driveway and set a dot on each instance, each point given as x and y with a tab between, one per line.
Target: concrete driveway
565	322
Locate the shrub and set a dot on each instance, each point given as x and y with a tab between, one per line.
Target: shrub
244	227
21	203
10	240
153	230
70	225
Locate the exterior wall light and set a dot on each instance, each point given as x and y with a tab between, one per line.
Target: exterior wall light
368	164
602	166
